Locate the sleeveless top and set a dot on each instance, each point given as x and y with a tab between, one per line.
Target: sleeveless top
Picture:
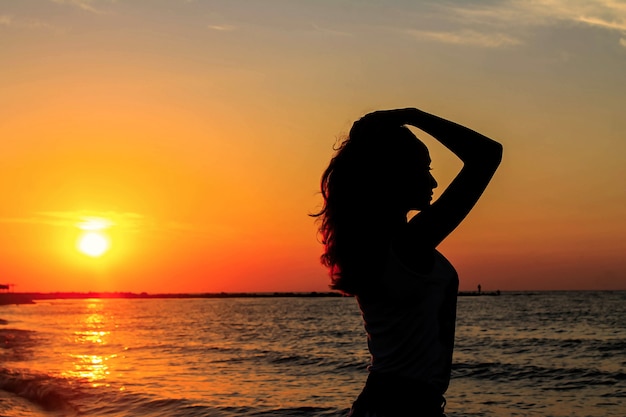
410	323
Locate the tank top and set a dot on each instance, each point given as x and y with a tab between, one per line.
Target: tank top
410	322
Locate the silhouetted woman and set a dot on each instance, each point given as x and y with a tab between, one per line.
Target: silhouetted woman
405	288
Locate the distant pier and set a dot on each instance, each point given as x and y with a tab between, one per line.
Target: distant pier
478	294
8	298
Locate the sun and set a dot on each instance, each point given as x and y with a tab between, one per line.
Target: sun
93	241
94	244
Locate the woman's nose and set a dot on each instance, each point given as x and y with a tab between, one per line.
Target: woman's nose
433	181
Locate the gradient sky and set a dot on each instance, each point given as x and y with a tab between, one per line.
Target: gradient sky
199	130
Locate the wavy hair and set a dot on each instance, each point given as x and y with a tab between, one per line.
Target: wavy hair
362	189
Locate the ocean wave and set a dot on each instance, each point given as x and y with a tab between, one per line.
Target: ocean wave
16	344
531	375
299	412
49	393
73	399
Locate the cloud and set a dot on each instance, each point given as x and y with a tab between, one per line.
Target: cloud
516	15
77	219
604	24
603	14
331	32
6	20
622	42
467	37
85	220
13	22
86	5
222	28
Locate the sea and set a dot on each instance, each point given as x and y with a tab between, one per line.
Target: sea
517	354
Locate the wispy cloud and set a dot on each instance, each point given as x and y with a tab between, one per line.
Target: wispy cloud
604	24
486	22
603	13
76	219
328	31
22	23
518	14
609	15
6	20
83	219
467	37
222	28
87	5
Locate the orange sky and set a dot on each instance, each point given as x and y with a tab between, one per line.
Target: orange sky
200	130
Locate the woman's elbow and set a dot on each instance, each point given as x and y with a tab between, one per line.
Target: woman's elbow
495	153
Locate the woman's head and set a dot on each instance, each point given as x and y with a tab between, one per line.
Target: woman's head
376	176
380	169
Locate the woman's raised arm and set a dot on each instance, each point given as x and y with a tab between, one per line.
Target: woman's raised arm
480	155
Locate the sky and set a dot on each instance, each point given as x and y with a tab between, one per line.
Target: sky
187	138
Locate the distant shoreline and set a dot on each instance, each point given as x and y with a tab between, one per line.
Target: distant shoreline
8	298
31	297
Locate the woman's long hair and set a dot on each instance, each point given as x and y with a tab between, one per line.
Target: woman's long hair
362	189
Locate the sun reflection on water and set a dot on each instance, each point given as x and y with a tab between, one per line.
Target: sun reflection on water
93	368
91	337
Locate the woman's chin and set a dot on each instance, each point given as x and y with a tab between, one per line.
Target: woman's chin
420	207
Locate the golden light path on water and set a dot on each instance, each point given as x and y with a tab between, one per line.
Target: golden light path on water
91	367
102	353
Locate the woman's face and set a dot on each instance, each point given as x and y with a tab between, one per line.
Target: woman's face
417	182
